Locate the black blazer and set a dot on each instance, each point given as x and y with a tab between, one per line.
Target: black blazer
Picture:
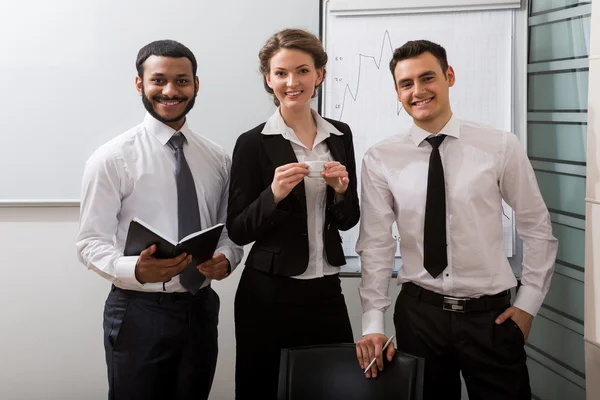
280	231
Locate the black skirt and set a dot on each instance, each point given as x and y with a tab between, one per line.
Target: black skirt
274	312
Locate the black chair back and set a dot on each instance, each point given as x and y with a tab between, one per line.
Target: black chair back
332	372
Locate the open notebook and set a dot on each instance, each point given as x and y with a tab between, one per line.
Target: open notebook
201	245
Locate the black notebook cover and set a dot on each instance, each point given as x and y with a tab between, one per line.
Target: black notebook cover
201	245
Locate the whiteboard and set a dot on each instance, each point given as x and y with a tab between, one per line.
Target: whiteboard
67	69
359	88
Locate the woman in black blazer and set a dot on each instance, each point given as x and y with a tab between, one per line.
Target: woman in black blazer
289	293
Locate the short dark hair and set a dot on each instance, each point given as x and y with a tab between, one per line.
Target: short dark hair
164	48
415	48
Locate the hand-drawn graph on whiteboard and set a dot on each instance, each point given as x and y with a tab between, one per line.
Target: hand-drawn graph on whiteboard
359	87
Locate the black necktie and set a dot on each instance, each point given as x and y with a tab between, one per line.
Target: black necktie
435	257
188	214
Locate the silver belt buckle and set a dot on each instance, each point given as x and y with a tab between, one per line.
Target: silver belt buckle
454	304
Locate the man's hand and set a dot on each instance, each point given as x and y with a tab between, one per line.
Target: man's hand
216	268
370	346
336	176
150	270
522	318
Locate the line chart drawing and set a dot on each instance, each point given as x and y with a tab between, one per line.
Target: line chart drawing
348	90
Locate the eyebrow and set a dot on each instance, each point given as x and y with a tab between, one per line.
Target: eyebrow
423	75
298	67
160	74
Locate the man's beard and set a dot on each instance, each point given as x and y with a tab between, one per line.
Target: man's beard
148	106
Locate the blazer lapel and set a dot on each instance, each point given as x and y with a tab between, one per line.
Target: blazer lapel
280	152
336	147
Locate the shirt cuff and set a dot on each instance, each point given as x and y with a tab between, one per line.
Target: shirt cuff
338	198
125	270
373	322
528	300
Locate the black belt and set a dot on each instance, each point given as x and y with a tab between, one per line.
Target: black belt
159	297
500	301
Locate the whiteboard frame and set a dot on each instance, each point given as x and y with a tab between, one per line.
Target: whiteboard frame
519	75
364	7
39	203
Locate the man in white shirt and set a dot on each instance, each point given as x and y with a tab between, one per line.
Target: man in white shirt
443	183
160	330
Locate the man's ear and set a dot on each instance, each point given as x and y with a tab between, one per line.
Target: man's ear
138	84
450	76
397	91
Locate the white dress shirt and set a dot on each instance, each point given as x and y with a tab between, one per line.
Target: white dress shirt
315	188
482	166
133	175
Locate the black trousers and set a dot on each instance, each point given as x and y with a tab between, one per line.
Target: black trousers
160	345
491	357
274	312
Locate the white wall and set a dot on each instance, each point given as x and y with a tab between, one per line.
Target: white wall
51	342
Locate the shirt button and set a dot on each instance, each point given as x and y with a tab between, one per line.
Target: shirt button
447	274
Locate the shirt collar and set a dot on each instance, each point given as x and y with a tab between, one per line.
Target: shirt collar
275	125
452	128
163	132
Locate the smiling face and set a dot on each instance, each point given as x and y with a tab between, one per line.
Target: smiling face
293	78
423	89
168	89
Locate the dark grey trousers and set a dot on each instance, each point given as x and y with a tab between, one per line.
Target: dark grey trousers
160	345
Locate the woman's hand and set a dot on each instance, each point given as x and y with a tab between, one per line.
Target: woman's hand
336	176
286	178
